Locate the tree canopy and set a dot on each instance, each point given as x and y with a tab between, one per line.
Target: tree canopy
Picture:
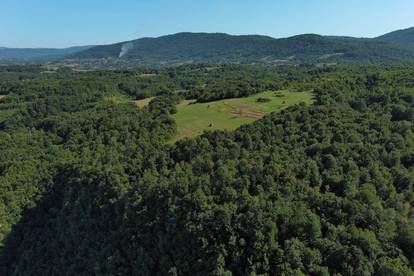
89	183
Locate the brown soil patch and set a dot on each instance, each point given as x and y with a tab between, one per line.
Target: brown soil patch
245	111
248	113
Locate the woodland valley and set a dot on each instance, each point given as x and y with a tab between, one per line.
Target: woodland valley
209	154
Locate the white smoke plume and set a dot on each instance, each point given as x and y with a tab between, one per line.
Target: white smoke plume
126	48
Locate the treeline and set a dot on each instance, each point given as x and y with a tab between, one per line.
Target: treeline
319	190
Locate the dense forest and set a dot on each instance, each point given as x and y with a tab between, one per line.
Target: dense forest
91	185
221	48
187	48
405	37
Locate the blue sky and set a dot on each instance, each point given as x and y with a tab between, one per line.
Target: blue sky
61	23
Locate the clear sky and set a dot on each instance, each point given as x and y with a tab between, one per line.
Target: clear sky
62	23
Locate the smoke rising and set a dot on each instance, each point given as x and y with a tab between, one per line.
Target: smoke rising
126	48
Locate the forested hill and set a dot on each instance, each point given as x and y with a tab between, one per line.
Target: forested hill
37	54
403	37
217	47
187	47
91	185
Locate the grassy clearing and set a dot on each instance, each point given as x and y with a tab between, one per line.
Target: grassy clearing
148	75
123	99
144	102
2	96
193	118
118	99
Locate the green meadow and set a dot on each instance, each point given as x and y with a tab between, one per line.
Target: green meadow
194	118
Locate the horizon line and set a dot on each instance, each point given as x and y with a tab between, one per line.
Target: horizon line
199	32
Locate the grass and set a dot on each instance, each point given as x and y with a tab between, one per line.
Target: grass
194	118
144	102
122	99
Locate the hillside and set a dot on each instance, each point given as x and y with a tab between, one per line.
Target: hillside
218	48
403	37
181	48
36	54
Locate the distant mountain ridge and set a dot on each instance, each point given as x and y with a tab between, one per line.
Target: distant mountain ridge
404	37
220	48
189	47
37	54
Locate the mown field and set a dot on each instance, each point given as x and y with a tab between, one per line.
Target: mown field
194	118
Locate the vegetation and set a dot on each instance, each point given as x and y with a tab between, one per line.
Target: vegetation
36	54
403	37
193	48
90	185
263	100
194	118
144	102
187	48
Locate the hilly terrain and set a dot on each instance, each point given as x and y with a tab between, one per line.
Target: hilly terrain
184	48
36	54
93	181
223	48
403	37
284	146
